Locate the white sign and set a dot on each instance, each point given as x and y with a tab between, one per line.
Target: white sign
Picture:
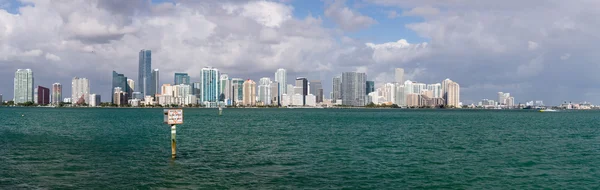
175	116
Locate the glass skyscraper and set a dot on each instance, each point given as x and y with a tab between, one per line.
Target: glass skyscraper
182	78
154	84
209	81
280	77
336	89
23	86
370	87
56	93
353	88
119	80
316	88
237	90
144	84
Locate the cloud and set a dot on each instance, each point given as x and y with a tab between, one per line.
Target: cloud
52	57
392	14
532	45
565	56
346	18
422	11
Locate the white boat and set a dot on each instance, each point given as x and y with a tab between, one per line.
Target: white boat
548	110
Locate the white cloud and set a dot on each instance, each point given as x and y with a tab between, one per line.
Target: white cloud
346	18
52	57
532	45
32	53
565	56
422	11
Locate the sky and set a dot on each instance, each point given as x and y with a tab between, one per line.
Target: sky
535	50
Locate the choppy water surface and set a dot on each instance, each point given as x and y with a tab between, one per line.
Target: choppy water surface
299	149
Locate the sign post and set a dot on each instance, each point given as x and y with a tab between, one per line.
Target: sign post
173	117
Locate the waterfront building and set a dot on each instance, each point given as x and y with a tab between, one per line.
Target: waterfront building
302	88
297	100
237	91
399	75
144	82
56	93
389	92
119	97
400	95
225	89
119	80
42	95
249	92
316	89
131	88
286	100
336	89
154	84
264	91
436	89
95	100
353	88
370	87
290	89
311	100
275	95
209	83
80	90
281	79
451	91
23	86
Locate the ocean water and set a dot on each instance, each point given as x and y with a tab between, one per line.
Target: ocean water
48	148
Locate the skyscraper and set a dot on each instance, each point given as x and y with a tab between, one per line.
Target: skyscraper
94	100
436	89
80	90
264	91
249	93
337	89
302	86
399	75
119	80
154	84
23	86
370	87
56	93
225	89
237	91
42	95
353	88
209	80
452	93
144	73
119	98
130	88
316	88
275	95
181	78
281	78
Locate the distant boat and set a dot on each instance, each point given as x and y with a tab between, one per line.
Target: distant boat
548	110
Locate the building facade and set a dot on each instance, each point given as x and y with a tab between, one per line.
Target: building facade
144	82
237	91
95	100
336	89
119	80
42	95
353	88
399	75
249	92
225	89
281	78
370	87
316	88
80	91
155	83
23	86
209	83
301	88
56	93
264	91
275	95
181	78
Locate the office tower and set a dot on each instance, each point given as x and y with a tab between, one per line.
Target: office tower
353	88
452	93
399	75
154	83
119	80
196	89
237	91
275	95
131	88
302	87
23	86
80	91
316	88
249	92
144	84
370	87
56	93
337	89
95	100
209	83
419	87
119	97
181	78
264	91
281	78
436	89
42	95
225	89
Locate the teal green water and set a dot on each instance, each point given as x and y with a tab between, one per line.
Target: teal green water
299	149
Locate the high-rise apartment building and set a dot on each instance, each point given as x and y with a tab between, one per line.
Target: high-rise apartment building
353	88
42	95
209	83
154	84
56	93
131	88
23	86
389	92
249	93
181	78
337	89
436	89
119	97
94	100
119	80
316	88
264	91
225	89
237	91
281	78
399	75
275	95
400	95
302	88
144	83
80	91
452	93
